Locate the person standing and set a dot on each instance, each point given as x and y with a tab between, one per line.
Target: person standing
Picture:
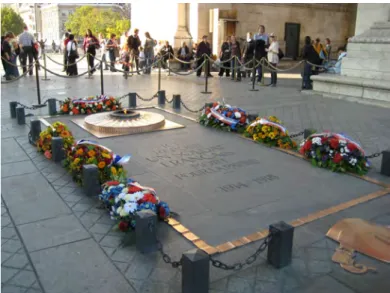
184	55
7	54
71	49
65	61
247	53
42	45
166	52
103	51
26	42
235	52
273	58
133	42
149	52
91	43
125	60
310	55
112	45
224	55
320	50
203	48
261	43
53	46
328	48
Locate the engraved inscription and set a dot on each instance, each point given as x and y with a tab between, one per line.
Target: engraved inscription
247	184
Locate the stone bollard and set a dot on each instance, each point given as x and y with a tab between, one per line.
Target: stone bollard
161	97
176	102
280	246
91	185
57	149
385	164
195	275
12	107
52	106
145	231
307	132
35	127
132	100
20	115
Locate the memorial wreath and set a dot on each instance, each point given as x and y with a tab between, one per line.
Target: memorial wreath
89	105
271	132
223	116
336	152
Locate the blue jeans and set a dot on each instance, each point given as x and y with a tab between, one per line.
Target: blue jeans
307	72
259	72
149	56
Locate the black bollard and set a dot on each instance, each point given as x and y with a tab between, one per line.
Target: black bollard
132	100
307	132
20	116
101	78
195	275
145	233
35	127
280	245
254	75
91	185
176	101
206	73
385	164
12	108
57	149
37	79
161	97
52	106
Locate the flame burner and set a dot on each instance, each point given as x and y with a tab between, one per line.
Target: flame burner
125	114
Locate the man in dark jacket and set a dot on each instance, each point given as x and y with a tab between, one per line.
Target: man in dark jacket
184	55
260	52
164	53
311	56
248	52
203	48
133	43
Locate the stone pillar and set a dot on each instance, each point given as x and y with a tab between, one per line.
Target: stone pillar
182	34
368	13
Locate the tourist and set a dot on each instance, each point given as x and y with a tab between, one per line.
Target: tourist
149	46
203	48
311	57
91	43
273	58
141	58
336	67
10	50
166	52
235	52
248	53
36	53
53	46
125	60
123	39
2	55
112	45
328	48
224	55
261	43
66	40
320	50
26	41
71	49
103	51
42	45
184	55
133	42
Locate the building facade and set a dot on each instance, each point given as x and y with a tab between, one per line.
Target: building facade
289	22
31	15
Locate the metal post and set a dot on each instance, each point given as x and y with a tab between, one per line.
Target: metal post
385	164
281	243
12	108
145	232
35	126
159	74
44	64
161	97
195	275
37	79
57	149
254	75
206	73
101	78
176	102
20	116
52	106
91	185
132	100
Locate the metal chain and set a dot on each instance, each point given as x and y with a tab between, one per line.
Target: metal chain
32	107
238	266
147	100
297	134
168	101
374	155
166	258
190	110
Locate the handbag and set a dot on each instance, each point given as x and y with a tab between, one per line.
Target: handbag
280	54
116	52
73	53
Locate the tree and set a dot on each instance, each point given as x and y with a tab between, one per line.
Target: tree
11	21
97	20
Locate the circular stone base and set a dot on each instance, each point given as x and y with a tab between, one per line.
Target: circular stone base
106	123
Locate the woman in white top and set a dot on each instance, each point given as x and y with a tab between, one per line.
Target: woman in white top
71	49
273	57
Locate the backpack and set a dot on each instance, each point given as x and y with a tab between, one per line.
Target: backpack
73	53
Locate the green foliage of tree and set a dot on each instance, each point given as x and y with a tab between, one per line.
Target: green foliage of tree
97	20
11	21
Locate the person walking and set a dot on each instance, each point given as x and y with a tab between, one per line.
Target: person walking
26	42
53	46
149	45
91	43
184	55
9	50
224	55
42	45
133	42
65	60
235	52
112	45
311	57
261	42
203	48
273	58
247	54
103	51
71	49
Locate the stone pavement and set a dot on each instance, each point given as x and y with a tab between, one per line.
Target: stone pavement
54	239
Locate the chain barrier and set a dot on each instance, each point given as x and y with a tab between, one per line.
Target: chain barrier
32	107
147	100
374	155
71	76
190	110
122	97
19	77
249	260
189	72
66	63
297	134
168	101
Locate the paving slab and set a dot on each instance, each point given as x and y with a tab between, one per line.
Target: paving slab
17	168
78	267
33	200
12	152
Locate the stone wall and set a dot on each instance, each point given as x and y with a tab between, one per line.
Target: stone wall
367	14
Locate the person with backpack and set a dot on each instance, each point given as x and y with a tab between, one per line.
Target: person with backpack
71	49
91	44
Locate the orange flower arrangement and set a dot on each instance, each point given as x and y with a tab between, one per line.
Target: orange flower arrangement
58	129
89	105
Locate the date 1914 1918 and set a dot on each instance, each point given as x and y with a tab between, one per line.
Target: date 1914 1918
247	184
